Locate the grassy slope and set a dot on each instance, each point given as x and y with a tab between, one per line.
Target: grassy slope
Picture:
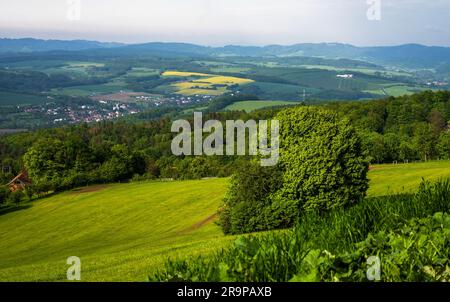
389	179
125	231
255	105
120	233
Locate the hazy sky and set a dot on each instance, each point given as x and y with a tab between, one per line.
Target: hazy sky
220	22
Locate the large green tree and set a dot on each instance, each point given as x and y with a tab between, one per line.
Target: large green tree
46	162
322	159
321	167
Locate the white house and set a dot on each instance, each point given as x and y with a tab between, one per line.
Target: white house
345	76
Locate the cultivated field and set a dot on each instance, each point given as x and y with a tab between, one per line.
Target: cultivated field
125	231
203	84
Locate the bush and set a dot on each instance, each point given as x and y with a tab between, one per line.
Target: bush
16	197
247	204
4	194
144	177
29	192
42	188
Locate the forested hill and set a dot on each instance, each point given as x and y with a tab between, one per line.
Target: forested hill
34	45
397	129
407	56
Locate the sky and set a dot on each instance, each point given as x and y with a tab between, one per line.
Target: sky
224	22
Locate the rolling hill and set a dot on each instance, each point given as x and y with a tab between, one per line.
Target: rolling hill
32	45
407	56
120	231
124	232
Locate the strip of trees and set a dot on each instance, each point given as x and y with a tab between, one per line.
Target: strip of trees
397	129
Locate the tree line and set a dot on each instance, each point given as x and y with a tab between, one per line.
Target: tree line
406	128
396	129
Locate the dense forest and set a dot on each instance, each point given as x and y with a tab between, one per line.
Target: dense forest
407	128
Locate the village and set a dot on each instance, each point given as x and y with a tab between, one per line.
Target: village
97	108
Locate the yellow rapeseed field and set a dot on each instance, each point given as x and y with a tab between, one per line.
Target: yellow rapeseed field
223	80
205	85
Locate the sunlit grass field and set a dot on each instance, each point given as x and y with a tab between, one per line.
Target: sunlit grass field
250	106
404	178
123	232
120	232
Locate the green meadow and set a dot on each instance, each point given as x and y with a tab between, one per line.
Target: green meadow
404	178
88	90
124	232
397	90
120	231
13	99
250	106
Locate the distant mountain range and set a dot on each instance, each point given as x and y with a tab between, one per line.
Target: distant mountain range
408	55
34	45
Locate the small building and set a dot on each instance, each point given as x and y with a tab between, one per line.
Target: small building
19	182
345	76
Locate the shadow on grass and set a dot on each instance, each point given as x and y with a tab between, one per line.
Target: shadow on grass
9	208
13	208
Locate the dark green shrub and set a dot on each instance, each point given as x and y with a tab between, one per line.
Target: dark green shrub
246	205
42	189
16	197
4	194
29	192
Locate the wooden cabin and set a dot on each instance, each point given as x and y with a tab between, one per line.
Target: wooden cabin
19	182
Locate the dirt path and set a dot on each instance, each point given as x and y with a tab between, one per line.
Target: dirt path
198	224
